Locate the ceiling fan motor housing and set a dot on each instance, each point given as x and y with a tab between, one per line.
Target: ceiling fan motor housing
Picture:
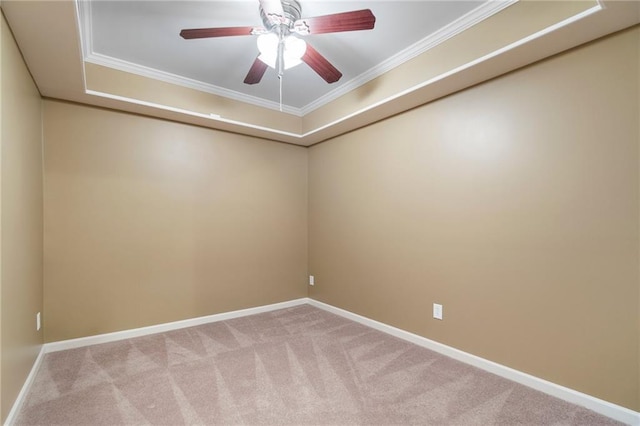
292	13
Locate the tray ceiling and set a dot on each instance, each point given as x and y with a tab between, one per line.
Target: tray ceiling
127	55
142	37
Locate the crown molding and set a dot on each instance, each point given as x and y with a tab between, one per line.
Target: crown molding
86	40
477	15
85	25
463	23
295	138
118	64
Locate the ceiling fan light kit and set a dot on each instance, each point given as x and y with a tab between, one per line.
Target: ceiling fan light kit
278	43
294	50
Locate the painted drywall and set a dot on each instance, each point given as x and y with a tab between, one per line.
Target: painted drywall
21	221
514	204
149	221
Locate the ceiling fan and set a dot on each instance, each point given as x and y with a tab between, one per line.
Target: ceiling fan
279	46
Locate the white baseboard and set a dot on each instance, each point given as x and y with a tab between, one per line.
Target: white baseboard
136	332
161	328
605	408
600	406
17	405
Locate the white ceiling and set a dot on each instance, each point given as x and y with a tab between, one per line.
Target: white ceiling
142	37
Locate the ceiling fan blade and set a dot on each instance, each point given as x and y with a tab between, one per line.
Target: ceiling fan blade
320	65
347	21
256	72
216	32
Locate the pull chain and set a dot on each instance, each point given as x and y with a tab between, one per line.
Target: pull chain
280	80
280	59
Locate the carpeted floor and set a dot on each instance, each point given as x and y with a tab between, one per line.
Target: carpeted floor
294	366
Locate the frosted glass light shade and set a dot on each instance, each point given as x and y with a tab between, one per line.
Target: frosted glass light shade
294	49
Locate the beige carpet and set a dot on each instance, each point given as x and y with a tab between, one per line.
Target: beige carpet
295	366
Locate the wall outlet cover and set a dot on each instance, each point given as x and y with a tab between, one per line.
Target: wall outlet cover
437	311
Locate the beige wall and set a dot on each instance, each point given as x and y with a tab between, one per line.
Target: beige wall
149	221
21	223
514	204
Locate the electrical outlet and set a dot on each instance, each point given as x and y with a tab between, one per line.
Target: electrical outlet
38	321
437	311
312	280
